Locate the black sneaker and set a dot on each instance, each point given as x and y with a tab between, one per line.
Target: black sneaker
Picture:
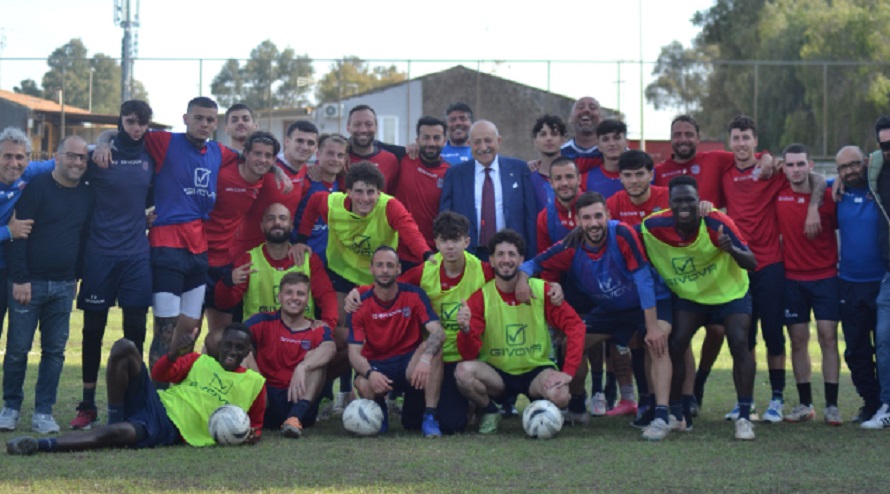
644	419
866	412
508	410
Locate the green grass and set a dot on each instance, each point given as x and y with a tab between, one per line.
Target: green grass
605	456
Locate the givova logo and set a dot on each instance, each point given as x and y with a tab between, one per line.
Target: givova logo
516	334
683	265
221	385
361	245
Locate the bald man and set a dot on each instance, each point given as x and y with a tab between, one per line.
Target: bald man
493	191
586	115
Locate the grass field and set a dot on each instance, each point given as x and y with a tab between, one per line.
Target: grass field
606	456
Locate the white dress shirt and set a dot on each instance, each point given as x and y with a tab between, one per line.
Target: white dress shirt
498	194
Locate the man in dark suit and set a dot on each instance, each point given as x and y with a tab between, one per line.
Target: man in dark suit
493	191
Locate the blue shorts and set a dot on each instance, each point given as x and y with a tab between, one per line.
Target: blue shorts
214	274
820	296
516	384
177	271
621	325
665	310
717	312
340	284
396	369
143	409
107	279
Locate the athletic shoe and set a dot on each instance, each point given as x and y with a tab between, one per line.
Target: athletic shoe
734	413
86	418
9	419
657	430
340	402
832	416
597	405
773	413
744	430
880	419
624	407
393	406
489	423
645	416
44	423
865	413
292	427
22	446
325	409
508	410
430	427
679	425
801	413
580	418
694	409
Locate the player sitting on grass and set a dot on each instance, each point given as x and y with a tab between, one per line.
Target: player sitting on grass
293	353
139	416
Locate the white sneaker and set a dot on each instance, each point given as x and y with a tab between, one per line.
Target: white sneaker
744	430
597	405
44	423
580	418
880	420
801	413
340	402
657	430
9	419
773	413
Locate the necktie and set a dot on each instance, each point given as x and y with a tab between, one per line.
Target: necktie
489	218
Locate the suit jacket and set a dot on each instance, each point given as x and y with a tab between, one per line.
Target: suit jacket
520	211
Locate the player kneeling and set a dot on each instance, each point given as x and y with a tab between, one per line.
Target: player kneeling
511	340
292	353
139	416
387	350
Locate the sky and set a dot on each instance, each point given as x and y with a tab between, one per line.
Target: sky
597	32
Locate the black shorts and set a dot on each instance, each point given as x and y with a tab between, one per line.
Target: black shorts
143	409
340	284
822	297
214	274
177	271
621	326
515	384
717	312
110	279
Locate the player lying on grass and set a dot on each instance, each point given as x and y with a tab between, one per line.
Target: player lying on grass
139	416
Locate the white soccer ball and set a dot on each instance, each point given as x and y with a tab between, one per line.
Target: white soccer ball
542	419
363	417
229	425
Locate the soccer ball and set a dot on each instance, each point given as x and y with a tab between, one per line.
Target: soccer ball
229	425
542	419
363	417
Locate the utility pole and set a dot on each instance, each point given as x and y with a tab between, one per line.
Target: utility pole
127	18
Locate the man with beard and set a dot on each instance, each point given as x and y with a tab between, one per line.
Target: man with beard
584	119
704	260
421	179
459	117
493	191
140	416
239	124
387	350
638	198
361	124
116	265
558	218
493	318
605	260
810	284
860	270
549	133
261	269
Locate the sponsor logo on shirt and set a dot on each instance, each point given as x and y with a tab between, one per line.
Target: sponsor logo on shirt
361	245
695	169
405	312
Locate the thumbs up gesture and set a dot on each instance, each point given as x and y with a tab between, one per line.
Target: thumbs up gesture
463	316
723	240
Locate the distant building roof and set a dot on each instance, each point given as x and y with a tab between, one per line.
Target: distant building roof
38	104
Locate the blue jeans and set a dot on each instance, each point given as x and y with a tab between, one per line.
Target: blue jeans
50	306
882	338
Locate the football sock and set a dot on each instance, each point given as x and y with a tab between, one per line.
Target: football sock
89	395
611	389
638	360
576	403
661	412
47	444
429	411
831	394
805	391
596	385
777	383
115	413
300	408
627	392
745	407
677	409
346	382
491	407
